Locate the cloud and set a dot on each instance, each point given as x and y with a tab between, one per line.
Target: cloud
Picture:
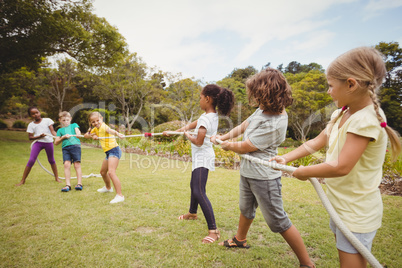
211	37
376	7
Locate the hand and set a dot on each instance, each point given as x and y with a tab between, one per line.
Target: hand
67	136
298	173
187	134
214	138
120	135
165	133
224	145
279	159
42	135
95	137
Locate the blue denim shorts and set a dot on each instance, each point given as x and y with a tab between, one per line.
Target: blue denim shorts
268	195
72	153
343	244
114	152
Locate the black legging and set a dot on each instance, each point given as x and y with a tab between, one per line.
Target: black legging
199	178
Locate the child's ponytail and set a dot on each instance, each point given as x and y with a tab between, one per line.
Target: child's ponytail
392	134
225	101
221	97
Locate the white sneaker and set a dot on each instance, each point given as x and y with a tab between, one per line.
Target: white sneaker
117	199
105	190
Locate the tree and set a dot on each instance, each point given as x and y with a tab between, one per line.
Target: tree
294	67
308	111
183	96
19	88
33	30
127	86
241	75
58	92
390	94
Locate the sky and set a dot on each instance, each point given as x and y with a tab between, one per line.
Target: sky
208	39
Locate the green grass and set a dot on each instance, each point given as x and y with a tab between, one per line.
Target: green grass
43	227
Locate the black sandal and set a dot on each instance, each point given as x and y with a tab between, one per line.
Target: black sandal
236	243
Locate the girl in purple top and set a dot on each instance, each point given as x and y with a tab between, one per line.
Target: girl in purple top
37	132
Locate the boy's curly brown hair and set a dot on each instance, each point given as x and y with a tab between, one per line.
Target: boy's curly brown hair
269	90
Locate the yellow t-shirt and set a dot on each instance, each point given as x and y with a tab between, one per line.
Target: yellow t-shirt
356	196
106	144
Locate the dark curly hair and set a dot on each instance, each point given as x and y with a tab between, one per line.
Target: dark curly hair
221	97
269	90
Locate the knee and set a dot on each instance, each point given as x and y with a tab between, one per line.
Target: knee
103	172
67	164
77	164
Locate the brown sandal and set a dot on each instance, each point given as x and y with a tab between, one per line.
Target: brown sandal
208	239
236	243
188	216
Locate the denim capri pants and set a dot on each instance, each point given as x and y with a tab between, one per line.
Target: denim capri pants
267	194
114	152
72	153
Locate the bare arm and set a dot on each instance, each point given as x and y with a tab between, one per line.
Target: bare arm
114	132
77	131
235	132
52	130
240	147
351	151
190	126
199	138
305	149
31	137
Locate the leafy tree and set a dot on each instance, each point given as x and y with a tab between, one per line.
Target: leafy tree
33	30
241	75
308	111
127	86
183	97
58	92
294	67
19	88
391	92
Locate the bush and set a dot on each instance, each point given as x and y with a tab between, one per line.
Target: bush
3	124
172	126
19	124
289	142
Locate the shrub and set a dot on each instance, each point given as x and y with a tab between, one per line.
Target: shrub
19	124
289	142
172	126
3	124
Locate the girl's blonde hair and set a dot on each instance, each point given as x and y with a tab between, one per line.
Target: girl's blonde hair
366	65
92	114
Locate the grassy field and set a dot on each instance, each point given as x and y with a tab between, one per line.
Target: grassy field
43	227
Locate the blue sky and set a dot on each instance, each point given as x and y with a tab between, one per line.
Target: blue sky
207	39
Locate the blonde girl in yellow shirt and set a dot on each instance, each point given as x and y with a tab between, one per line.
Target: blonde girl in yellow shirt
357	141
113	154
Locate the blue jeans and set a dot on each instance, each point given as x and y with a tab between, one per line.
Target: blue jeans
114	152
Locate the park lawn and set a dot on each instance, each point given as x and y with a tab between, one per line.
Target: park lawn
43	227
